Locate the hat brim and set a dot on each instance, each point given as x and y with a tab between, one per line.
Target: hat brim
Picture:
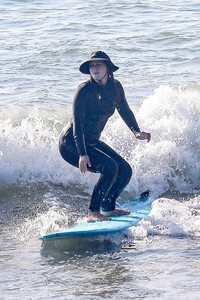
85	67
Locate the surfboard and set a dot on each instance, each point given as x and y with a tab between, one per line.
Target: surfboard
139	208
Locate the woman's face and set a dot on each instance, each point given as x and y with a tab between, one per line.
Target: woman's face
99	71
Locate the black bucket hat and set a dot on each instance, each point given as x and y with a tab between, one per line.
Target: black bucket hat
95	56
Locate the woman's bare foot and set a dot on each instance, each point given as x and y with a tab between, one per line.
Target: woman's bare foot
96	217
116	212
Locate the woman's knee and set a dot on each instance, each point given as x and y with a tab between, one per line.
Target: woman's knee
125	172
129	172
111	168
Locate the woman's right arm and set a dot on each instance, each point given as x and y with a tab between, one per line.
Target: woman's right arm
79	115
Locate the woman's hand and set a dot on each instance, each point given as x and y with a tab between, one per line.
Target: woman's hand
84	163
143	136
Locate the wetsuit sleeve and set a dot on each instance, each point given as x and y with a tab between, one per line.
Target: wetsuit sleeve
79	113
124	109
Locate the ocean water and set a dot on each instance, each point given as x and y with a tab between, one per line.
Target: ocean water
155	43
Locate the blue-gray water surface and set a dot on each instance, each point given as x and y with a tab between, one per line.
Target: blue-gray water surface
155	43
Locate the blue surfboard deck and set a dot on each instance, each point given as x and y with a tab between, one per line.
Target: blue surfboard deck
139	209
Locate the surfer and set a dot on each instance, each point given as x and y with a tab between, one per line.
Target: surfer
80	145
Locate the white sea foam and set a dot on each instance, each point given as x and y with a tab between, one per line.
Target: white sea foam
156	46
170	161
171	217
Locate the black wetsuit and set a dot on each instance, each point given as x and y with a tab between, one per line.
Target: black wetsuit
93	105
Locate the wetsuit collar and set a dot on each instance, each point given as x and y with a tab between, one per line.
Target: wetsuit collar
98	84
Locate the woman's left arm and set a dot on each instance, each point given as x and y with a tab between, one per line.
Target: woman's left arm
127	114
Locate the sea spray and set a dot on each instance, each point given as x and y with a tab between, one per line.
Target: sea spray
170	217
169	162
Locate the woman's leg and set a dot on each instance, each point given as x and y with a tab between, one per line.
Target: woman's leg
108	168
115	171
122	179
100	163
